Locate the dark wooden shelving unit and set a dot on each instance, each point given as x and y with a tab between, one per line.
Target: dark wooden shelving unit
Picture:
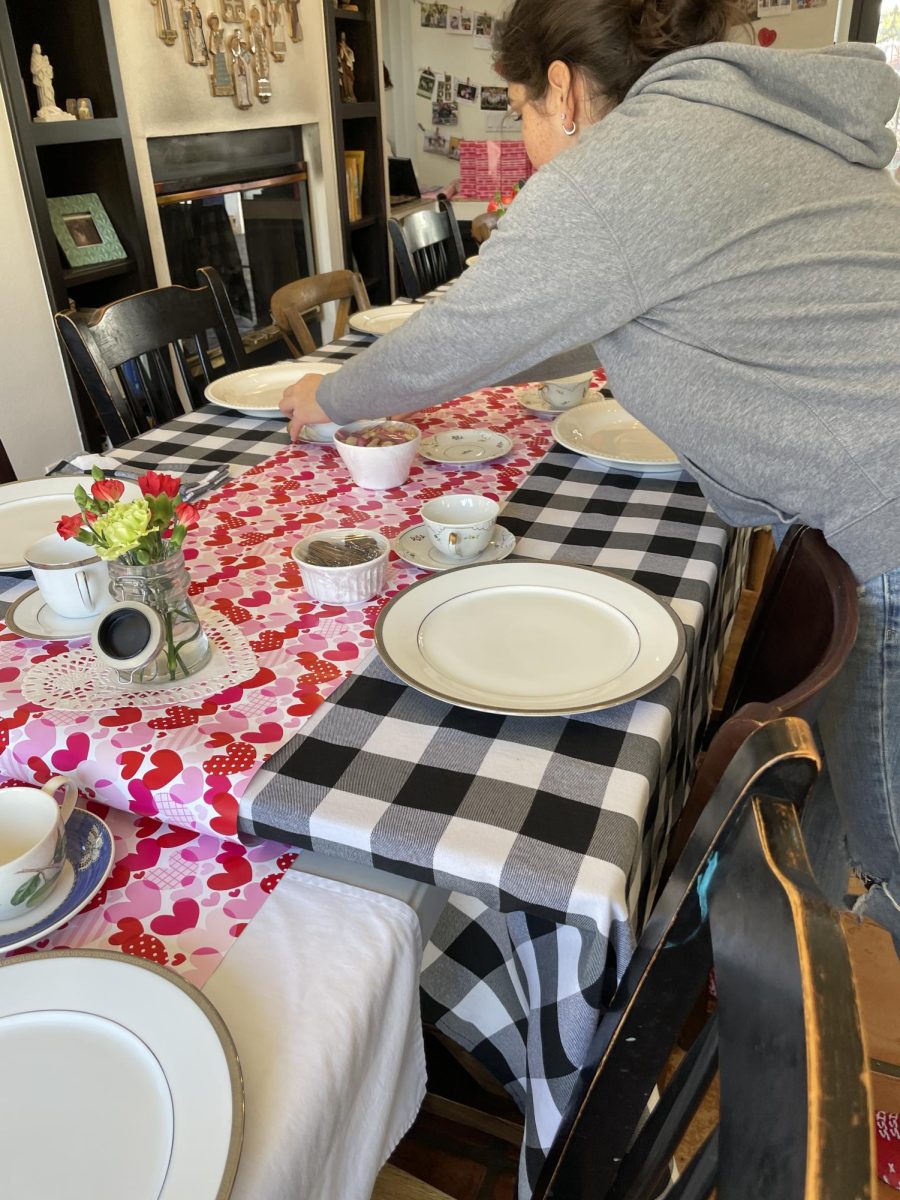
69	158
357	126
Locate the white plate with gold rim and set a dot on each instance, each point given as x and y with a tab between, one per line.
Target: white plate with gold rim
378	321
605	432
258	391
31	617
31	508
88	1035
415	547
464	446
530	639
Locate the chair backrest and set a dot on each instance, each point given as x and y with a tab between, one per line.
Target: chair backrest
794	1111
428	249
7	474
802	629
123	352
483	226
290	302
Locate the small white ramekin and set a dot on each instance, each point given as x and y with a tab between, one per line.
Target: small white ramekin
344	585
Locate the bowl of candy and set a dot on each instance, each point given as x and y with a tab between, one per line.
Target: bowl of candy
343	566
378	455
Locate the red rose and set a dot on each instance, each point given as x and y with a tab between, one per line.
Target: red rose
187	515
69	527
108	490
155	484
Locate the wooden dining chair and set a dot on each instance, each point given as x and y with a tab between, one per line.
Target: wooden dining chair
291	304
123	352
483	226
428	248
794	1116
799	637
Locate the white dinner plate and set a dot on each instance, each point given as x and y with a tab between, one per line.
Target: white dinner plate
530	639
30	617
30	509
258	392
415	547
465	445
606	432
105	1050
378	321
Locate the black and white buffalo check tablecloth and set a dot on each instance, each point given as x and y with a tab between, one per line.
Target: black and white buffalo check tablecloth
550	833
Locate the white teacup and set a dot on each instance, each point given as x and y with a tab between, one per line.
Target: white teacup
32	844
567	392
73	580
461	524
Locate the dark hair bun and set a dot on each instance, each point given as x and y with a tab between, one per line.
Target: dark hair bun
612	42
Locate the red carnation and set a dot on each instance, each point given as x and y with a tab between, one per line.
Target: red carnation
155	484
69	527
108	490
187	515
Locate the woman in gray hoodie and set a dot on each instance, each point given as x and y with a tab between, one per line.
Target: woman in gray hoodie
713	222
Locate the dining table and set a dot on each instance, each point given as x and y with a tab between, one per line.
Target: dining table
548	833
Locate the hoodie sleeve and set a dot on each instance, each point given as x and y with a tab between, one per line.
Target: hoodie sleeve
549	281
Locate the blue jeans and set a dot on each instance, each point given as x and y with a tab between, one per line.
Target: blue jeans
853	816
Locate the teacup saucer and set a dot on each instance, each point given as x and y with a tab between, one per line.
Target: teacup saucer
89	859
414	547
30	617
465	445
318	435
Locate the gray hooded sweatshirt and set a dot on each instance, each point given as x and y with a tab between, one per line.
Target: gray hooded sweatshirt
728	243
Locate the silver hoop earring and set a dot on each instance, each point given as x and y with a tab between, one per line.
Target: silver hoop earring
569	132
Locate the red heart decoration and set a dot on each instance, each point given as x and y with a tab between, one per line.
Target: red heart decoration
236	872
185	914
167	765
77	747
766	37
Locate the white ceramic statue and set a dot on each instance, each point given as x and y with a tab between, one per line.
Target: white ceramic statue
42	76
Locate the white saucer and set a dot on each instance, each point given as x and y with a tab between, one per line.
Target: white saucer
30	617
465	445
414	547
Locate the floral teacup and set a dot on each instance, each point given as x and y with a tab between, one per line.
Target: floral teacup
460	524
32	844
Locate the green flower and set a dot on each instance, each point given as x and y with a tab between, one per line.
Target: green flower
120	530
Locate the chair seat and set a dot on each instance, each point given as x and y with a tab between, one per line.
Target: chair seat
393	1184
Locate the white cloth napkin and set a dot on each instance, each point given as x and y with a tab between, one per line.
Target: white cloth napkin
321	994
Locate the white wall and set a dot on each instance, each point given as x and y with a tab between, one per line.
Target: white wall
37	418
167	97
408	47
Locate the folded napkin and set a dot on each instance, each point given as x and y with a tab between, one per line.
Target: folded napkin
198	477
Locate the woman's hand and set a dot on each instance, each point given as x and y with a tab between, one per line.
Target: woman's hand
299	404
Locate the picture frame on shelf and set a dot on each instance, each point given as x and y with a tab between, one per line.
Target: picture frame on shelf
84	231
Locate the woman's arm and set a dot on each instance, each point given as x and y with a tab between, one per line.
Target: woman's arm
549	281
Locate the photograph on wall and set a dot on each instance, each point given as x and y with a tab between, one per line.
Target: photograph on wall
444	89
426	85
460	20
483	31
445	113
434	16
801	4
466	93
495	99
772	8
435	142
506	123
453	148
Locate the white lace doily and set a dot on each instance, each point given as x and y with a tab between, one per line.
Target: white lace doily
75	680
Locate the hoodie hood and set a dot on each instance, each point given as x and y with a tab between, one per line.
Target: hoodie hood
840	97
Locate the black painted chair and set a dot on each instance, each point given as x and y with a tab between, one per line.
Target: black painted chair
795	1116
801	632
7	474
123	352
428	248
